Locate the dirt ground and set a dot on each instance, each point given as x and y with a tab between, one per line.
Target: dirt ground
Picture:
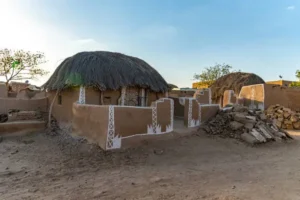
41	166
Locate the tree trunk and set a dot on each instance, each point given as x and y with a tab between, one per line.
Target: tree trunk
50	109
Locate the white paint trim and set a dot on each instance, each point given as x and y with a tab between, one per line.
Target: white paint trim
115	141
208	105
123	96
81	99
167	94
112	141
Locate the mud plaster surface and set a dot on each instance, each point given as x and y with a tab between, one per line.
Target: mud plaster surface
190	167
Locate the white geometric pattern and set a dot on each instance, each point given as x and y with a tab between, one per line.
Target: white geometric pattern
81	95
113	142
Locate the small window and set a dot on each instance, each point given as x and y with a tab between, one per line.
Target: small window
201	92
59	100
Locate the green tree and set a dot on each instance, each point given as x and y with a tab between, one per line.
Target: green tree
20	65
210	74
296	83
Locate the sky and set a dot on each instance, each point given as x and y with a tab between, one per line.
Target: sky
177	37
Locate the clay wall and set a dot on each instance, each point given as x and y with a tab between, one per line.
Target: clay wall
181	93
288	97
3	91
178	107
91	122
229	97
107	125
21	104
253	96
203	96
196	113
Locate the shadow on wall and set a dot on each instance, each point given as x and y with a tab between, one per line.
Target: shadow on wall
7	104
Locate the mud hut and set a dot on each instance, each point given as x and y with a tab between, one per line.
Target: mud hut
233	81
103	78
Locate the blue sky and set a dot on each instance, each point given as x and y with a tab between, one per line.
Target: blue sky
178	38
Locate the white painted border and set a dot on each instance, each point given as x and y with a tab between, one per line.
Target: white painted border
209	96
81	99
115	141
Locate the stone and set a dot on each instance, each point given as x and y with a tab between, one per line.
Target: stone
265	132
279	111
251	118
296	125
287	110
289	126
287	122
286	115
242	118
234	125
250	139
262	116
283	126
281	119
278	123
294	118
249	126
3	118
258	136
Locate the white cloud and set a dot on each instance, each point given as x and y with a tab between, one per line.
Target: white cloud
290	8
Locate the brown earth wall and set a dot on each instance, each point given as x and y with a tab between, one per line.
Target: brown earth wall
21	127
288	97
178	108
202	96
3	91
259	95
21	104
195	110
163	113
91	122
208	112
181	93
229	97
132	120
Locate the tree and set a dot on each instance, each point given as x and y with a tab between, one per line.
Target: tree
210	74
297	83
20	65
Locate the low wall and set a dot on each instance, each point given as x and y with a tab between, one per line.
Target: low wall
229	97
264	95
108	125
21	127
23	104
196	113
203	96
178	106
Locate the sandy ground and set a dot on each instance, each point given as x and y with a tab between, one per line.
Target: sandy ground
40	166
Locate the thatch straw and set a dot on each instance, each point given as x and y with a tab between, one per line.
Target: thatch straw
106	71
233	81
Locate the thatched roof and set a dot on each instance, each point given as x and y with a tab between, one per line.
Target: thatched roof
105	70
233	81
172	86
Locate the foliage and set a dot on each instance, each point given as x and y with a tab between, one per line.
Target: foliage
20	65
212	73
297	83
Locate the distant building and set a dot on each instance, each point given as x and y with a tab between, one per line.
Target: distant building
280	82
200	85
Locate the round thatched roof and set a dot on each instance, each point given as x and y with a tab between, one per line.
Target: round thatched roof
105	70
233	81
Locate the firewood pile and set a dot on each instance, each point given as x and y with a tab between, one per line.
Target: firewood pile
283	117
250	126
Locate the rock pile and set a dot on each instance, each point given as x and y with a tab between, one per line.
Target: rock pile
283	117
250	126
